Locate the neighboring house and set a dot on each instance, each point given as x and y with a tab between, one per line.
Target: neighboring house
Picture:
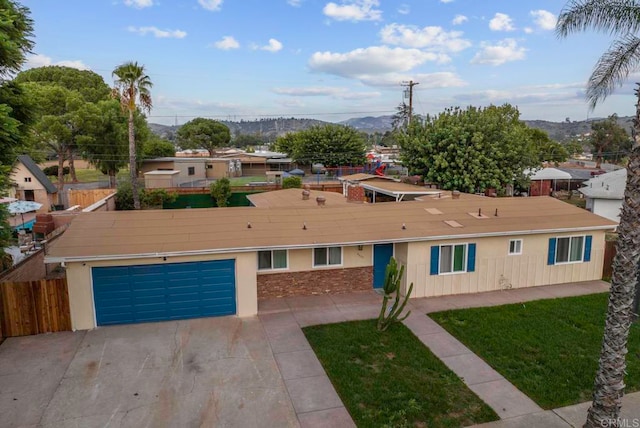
545	181
138	266
258	163
605	193
31	184
376	188
193	169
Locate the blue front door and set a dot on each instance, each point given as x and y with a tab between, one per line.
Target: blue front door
159	292
382	253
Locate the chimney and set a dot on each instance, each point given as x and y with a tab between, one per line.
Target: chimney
321	201
305	195
355	194
455	194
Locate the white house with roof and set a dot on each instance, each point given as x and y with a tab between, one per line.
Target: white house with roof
605	193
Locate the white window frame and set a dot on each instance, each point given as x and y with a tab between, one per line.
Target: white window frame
272	268
568	262
515	253
464	263
328	265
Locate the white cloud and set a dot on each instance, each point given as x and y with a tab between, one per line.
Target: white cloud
501	22
40	60
353	10
404	9
522	95
371	61
528	30
446	1
444	79
545	20
294	3
158	33
434	38
227	43
326	91
459	19
138	4
273	46
212	5
504	51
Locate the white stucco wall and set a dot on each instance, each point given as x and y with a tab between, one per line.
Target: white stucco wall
607	208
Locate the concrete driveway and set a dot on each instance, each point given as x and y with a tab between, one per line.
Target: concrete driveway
204	372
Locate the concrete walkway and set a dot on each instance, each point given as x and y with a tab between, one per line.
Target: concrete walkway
317	404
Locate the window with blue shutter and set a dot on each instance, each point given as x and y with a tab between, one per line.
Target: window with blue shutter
587	248
435	259
471	258
551	258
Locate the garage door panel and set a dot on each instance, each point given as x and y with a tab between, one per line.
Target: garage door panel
159	292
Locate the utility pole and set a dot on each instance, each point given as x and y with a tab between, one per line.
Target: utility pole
408	93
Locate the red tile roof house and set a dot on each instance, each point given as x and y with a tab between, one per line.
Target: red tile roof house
139	266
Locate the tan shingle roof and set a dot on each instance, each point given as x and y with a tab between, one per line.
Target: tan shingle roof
292	198
150	232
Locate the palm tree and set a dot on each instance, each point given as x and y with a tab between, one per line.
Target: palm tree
133	88
621	19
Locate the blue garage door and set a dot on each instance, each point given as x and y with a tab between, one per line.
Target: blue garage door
146	293
382	253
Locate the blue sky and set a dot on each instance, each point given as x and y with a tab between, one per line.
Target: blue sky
329	60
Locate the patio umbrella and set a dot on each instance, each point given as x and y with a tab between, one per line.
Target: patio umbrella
21	207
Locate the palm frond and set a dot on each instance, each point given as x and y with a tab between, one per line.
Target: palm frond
617	17
612	69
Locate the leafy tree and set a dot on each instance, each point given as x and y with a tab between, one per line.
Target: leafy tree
609	140
330	145
247	140
291	182
89	85
133	88
16	31
52	171
574	147
201	133
157	147
469	150
400	120
547	149
105	145
221	191
621	19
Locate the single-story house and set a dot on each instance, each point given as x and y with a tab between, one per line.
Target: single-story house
193	169
152	265
259	163
544	181
31	184
605	193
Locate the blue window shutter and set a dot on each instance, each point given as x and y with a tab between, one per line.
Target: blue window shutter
435	259
471	258
551	259
587	248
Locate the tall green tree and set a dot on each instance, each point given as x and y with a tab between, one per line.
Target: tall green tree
547	149
469	150
133	88
330	145
157	147
89	85
16	31
609	140
201	133
621	19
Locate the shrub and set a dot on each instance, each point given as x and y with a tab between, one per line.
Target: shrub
52	171
149	198
292	183
221	192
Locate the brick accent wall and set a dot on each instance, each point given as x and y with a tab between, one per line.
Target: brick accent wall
355	194
311	282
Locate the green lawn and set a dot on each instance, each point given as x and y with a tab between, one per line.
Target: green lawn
91	175
549	349
390	379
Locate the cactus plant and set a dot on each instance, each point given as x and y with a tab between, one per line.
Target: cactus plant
392	279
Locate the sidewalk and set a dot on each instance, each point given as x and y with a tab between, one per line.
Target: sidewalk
317	404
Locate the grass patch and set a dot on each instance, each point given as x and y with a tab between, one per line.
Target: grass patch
390	379
549	349
241	181
90	175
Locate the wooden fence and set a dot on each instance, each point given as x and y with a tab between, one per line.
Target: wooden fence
34	307
87	197
609	254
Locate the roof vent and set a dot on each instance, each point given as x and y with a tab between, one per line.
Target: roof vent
455	194
248	225
321	200
305	195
